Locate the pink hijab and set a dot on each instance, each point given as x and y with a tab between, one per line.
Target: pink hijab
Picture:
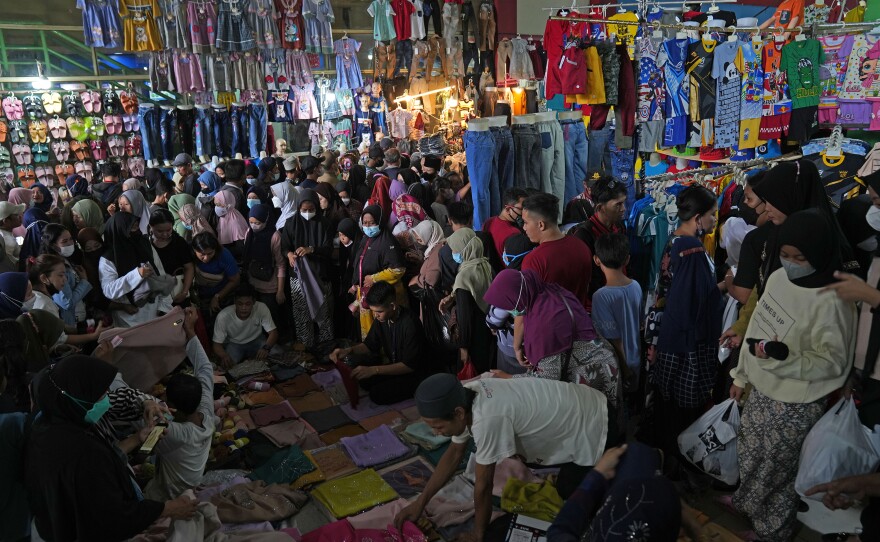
20	196
232	226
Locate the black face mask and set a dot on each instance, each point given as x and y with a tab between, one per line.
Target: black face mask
429	176
50	288
748	214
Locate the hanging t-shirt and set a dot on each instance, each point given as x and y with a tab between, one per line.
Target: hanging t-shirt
752	84
652	94
280	106
702	84
383	20
839	175
417	20
671	59
801	61
403	10
727	106
776	96
872	91
786	12
816	14
837	51
859	70
626	33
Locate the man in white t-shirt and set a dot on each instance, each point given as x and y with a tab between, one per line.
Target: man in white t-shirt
240	331
542	421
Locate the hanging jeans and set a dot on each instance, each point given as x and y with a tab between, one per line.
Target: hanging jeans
504	162
239	116
257	124
432	11
185	123
221	132
451	19
167	127
575	135
203	131
527	151
599	155
148	118
436	48
471	54
404	56
479	149
623	169
552	160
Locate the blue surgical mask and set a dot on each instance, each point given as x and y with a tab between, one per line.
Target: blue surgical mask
456	257
251	181
220	211
188	227
796	271
508	259
251	203
371	231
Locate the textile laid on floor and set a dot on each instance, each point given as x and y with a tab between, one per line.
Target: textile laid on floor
317	400
423	436
351	430
284	467
376	447
292	432
409	478
327	419
256	501
365	409
540	501
258	398
248	368
332	462
297	387
268	415
391	418
355	493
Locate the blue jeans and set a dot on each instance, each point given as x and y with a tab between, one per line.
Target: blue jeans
404	53
623	169
167	129
479	148
257	126
241	352
148	118
504	160
203	132
576	152
239	117
221	132
599	154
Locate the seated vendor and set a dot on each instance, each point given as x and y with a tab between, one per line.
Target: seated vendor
392	361
244	330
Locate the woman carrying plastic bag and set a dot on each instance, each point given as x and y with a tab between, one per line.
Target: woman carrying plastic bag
798	348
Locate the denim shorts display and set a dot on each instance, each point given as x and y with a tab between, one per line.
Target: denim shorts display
623	169
479	148
574	134
527	151
599	155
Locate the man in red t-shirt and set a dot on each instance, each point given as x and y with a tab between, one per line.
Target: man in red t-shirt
508	222
558	259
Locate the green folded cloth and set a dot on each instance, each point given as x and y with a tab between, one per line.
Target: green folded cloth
353	494
284	467
423	436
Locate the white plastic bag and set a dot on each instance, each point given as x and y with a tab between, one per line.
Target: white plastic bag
710	442
836	447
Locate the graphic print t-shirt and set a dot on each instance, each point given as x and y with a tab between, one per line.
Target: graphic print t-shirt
801	61
837	50
816	14
702	84
776	96
727	78
671	59
652	94
751	70
860	70
838	175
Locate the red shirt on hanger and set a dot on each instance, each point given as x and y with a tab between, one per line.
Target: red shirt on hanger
403	10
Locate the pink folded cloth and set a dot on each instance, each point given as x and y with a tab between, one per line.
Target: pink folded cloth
273	414
379	516
290	432
365	409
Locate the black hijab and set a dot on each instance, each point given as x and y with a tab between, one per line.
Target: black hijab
258	244
125	248
812	233
375	254
76	377
316	233
423	195
357	180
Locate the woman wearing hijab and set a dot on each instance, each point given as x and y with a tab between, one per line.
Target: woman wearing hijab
91	247
77	185
357	181
78	486
684	349
471	283
407	212
852	217
381	196
423	195
210	183
307	243
793	363
349	236
265	266
193	222
133	203
35	219
175	257
87	214
331	205
428	234
232	228
353	207
124	268
20	196
284	198
133	184
378	258
175	205
152	176
70	299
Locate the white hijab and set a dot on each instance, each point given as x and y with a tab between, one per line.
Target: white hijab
284	191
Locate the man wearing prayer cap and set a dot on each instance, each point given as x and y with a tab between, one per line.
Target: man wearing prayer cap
542	421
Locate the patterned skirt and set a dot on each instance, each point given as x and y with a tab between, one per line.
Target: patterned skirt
769	444
687	378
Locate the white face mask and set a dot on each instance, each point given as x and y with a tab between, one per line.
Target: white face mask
221	211
29	303
346	201
67	251
873	217
276	201
307	215
258	227
868	245
348	244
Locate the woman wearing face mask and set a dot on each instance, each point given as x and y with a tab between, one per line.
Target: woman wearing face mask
798	350
70	298
307	242
284	197
133	203
331	204
378	258
175	257
210	183
47	278
265	265
35	219
193	222
349	236
78	486
685	349
124	268
609	210
175	205
352	207
232	228
252	175
471	283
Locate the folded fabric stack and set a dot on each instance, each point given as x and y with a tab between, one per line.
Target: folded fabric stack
355	493
374	448
423	436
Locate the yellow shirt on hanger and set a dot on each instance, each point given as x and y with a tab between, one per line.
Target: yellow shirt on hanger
626	33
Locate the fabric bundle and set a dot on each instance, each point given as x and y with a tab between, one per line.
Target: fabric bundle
284	467
352	494
376	447
257	501
423	436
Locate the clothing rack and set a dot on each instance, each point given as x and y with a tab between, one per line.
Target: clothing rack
414	96
844	27
748	164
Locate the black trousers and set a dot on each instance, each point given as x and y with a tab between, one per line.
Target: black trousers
435	14
186	119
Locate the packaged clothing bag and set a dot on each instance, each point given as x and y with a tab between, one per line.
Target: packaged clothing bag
710	442
147	353
836	447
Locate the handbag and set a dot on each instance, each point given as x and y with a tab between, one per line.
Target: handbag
260	271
